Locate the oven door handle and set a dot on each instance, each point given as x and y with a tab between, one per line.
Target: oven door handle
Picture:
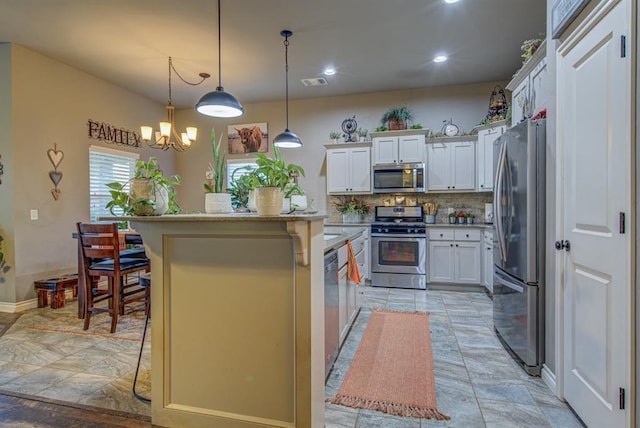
401	236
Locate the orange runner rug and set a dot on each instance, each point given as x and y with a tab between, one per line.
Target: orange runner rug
392	370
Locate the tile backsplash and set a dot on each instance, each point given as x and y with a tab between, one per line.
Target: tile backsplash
473	202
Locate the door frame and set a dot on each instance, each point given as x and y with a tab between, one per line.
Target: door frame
594	15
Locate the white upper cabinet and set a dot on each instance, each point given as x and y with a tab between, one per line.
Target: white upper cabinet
486	136
451	165
348	168
398	147
528	88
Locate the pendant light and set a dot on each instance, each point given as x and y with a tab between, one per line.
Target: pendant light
219	103
287	139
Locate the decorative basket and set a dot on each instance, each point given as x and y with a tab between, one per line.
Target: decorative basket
497	104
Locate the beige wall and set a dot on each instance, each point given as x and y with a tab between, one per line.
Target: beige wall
46	102
51	103
313	118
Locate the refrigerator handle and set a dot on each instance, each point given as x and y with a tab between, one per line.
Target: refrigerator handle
497	188
508	284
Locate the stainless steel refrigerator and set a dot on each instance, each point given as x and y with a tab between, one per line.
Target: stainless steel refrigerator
519	209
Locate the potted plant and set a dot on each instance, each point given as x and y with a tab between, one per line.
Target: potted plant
470	218
149	192
452	218
242	183
334	135
294	198
462	218
272	175
216	199
381	129
352	208
397	117
362	134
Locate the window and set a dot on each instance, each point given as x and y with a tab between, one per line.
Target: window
232	165
106	166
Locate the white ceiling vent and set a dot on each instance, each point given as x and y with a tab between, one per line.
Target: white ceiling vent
316	81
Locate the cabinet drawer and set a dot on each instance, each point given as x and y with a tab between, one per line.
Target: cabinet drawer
440	234
467	235
358	244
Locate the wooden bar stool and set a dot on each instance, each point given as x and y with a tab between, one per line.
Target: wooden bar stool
100	248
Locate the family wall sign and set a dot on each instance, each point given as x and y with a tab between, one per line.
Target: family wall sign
110	134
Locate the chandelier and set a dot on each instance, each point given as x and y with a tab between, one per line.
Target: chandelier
168	136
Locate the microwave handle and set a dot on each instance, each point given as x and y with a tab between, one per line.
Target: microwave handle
415	178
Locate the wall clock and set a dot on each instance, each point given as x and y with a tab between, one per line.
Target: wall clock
450	129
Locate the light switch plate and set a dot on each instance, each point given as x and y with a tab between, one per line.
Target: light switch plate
34	214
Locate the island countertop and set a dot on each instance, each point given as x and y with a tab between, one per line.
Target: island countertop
231	217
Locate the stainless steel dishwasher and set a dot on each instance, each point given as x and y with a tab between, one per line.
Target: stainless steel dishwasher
331	333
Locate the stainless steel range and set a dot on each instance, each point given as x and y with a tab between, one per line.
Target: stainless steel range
399	248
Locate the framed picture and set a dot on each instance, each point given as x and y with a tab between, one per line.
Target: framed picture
248	138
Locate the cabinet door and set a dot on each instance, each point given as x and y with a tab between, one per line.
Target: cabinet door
359	169
343	317
464	166
337	167
520	102
467	269
385	150
537	87
439	166
441	261
486	137
411	149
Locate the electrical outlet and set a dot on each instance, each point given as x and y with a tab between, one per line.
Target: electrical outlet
34	214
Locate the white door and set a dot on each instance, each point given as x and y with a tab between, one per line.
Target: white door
467	263
441	261
439	166
464	166
337	175
411	149
360	169
385	150
593	135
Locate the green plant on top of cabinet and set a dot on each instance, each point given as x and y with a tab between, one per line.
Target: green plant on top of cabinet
349	168
451	164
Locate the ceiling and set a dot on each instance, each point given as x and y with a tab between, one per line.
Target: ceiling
375	45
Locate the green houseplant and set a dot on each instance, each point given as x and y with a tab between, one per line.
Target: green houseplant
362	133
149	192
334	135
216	199
397	117
243	181
272	175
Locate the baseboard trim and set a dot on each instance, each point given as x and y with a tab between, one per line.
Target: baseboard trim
13	308
549	379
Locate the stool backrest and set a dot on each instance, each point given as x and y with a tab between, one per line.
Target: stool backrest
99	241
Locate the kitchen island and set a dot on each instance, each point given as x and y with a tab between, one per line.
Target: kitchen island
238	323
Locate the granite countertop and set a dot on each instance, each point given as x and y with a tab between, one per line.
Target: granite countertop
457	225
231	217
336	236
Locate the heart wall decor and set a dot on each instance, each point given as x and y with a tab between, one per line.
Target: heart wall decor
55	157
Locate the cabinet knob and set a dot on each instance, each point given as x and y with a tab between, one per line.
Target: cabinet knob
451	245
441	235
467	235
453	187
456	245
482	185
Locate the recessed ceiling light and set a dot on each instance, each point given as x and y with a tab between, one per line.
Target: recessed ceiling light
451	1
329	71
440	58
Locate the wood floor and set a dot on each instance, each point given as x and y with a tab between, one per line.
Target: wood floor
19	411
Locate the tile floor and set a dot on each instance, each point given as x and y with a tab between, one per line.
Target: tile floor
477	382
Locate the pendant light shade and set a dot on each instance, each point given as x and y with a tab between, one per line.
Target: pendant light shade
287	139
219	103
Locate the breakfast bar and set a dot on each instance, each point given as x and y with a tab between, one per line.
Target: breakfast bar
238	332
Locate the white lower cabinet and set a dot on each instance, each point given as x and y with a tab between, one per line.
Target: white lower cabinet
454	256
350	293
487	259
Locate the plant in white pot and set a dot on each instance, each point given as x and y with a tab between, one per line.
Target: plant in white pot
294	198
273	174
216	199
149	192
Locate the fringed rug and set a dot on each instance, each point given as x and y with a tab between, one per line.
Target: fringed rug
392	370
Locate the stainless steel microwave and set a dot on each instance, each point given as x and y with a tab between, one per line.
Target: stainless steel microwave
399	178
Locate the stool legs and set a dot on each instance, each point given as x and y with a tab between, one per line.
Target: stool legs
135	377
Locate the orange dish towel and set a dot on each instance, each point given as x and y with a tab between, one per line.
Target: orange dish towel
352	265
